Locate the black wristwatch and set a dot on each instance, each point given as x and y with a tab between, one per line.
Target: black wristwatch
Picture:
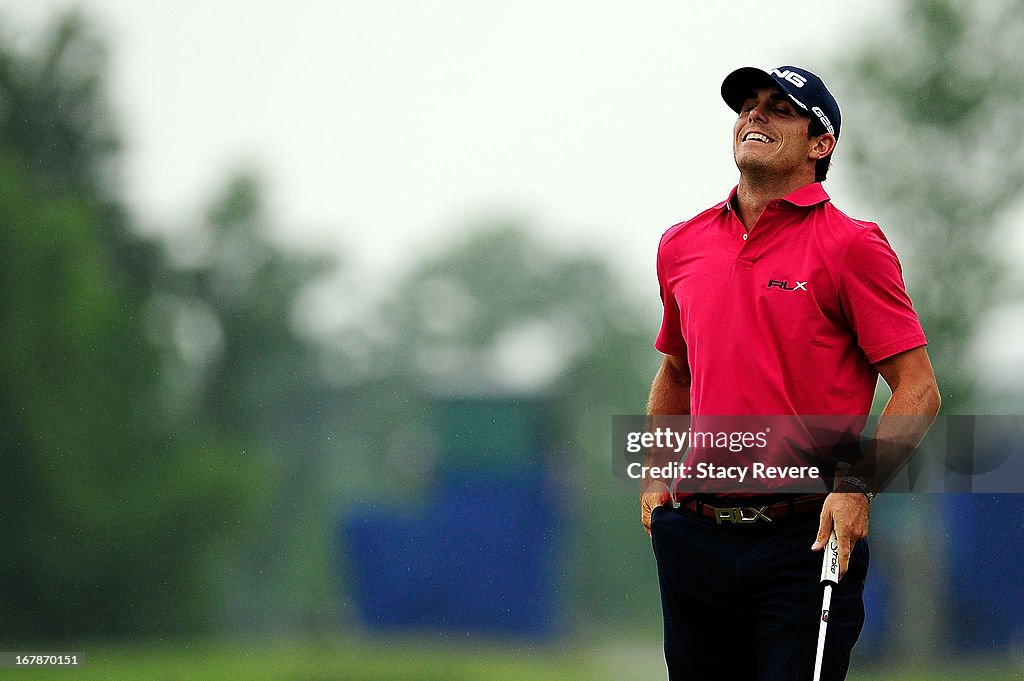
861	487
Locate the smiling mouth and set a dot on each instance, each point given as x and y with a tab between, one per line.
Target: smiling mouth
757	137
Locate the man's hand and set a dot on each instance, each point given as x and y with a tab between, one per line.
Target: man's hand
648	502
848	513
670	395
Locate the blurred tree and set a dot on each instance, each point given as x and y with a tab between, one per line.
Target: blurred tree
938	99
109	508
58	128
230	306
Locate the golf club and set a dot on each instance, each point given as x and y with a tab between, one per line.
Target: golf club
830	577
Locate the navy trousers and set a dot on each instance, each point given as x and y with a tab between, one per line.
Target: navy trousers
743	602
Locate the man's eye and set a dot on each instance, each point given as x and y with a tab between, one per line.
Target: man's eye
782	110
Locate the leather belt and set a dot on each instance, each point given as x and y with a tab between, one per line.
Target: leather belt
754	512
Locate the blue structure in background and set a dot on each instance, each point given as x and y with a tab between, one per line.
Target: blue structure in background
988	532
984	602
482	555
977	456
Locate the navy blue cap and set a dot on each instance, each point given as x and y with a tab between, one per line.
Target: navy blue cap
806	89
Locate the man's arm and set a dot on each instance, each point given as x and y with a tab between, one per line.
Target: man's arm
670	396
906	418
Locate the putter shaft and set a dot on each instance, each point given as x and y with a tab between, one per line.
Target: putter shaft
826	603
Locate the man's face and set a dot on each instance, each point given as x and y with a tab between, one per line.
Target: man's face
770	136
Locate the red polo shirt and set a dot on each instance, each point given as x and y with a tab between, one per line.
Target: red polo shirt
788	319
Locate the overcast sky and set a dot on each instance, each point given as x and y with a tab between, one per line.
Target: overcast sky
386	126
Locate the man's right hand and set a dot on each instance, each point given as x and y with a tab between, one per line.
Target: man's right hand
648	502
670	396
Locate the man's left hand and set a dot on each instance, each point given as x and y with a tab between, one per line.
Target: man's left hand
848	513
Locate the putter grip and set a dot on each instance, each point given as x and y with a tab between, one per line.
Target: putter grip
830	561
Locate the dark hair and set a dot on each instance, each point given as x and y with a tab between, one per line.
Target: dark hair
815	129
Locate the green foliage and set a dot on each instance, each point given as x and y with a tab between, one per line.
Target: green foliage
498	290
54	114
100	502
938	102
248	373
109	508
255	362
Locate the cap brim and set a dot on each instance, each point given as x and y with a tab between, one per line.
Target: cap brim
742	83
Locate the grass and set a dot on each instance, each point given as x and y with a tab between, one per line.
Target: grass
315	661
416	660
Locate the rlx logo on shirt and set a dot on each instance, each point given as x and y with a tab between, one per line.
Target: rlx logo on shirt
784	285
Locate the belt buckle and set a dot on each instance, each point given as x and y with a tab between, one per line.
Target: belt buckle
736	515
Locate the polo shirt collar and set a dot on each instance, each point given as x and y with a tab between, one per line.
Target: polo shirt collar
805	197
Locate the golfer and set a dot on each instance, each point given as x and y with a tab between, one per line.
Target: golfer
777	303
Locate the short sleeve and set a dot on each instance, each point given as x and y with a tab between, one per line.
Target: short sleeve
875	300
670	338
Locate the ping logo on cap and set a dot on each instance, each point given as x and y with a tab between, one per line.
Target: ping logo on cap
794	78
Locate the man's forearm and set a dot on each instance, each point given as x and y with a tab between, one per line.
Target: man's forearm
901	427
670	397
670	392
